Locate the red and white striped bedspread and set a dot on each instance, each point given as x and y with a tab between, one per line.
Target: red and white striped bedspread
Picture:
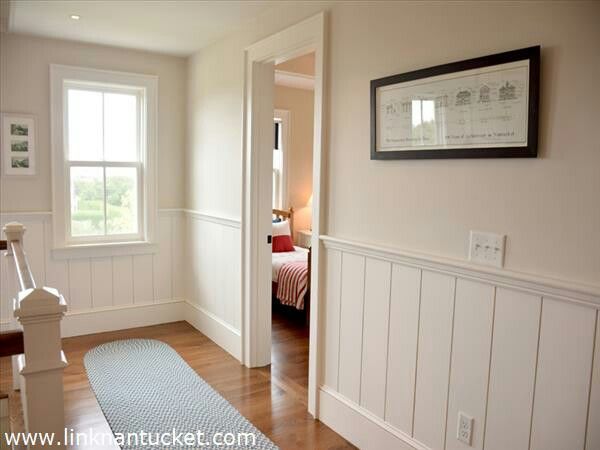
292	283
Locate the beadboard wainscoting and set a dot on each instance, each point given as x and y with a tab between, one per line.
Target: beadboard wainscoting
213	286
410	341
103	293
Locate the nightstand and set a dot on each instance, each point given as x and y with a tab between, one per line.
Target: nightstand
303	238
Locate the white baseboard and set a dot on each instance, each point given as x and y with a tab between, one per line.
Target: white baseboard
77	323
359	426
219	331
113	318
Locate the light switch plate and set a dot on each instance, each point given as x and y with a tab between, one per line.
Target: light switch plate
487	248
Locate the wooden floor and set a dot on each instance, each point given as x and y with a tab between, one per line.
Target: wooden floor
277	407
289	353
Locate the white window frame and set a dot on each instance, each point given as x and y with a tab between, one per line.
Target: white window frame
283	116
145	87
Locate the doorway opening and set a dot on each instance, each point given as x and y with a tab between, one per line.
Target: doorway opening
299	214
291	215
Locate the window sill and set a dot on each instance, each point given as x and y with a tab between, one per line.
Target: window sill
104	249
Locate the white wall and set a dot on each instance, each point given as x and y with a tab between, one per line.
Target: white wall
102	293
213	278
300	104
547	206
25	87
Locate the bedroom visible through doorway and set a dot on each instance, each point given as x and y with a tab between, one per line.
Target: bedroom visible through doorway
297	40
291	218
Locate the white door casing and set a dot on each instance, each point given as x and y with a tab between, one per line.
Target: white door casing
304	37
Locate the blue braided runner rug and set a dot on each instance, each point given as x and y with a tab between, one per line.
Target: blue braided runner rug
143	385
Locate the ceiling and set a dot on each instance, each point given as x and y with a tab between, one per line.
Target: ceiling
304	64
176	27
297	73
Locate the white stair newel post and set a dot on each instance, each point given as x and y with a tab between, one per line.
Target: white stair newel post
40	368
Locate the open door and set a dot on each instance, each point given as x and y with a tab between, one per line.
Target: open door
263	80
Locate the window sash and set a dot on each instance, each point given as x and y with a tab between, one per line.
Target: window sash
103	238
139	94
104	164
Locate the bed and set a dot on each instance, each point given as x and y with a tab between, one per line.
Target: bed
291	270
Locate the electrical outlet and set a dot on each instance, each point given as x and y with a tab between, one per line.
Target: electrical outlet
487	248
464	430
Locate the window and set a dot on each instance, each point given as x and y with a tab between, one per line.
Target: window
103	162
103	153
280	150
277	167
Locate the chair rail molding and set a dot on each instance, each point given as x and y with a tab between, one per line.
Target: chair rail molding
212	217
559	289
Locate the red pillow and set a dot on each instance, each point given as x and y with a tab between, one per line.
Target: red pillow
282	240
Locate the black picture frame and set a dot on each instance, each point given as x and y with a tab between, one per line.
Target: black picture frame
530	151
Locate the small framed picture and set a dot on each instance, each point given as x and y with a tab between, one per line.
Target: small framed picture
18	144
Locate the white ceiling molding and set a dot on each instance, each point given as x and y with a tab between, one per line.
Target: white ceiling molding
294	80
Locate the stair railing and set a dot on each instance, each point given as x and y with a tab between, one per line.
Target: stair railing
39	310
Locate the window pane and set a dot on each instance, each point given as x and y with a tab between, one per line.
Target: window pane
87	201
84	125
277	135
120	127
121	200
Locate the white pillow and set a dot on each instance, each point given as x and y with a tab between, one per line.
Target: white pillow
281	228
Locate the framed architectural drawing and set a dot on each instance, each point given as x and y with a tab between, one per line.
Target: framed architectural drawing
18	144
479	108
